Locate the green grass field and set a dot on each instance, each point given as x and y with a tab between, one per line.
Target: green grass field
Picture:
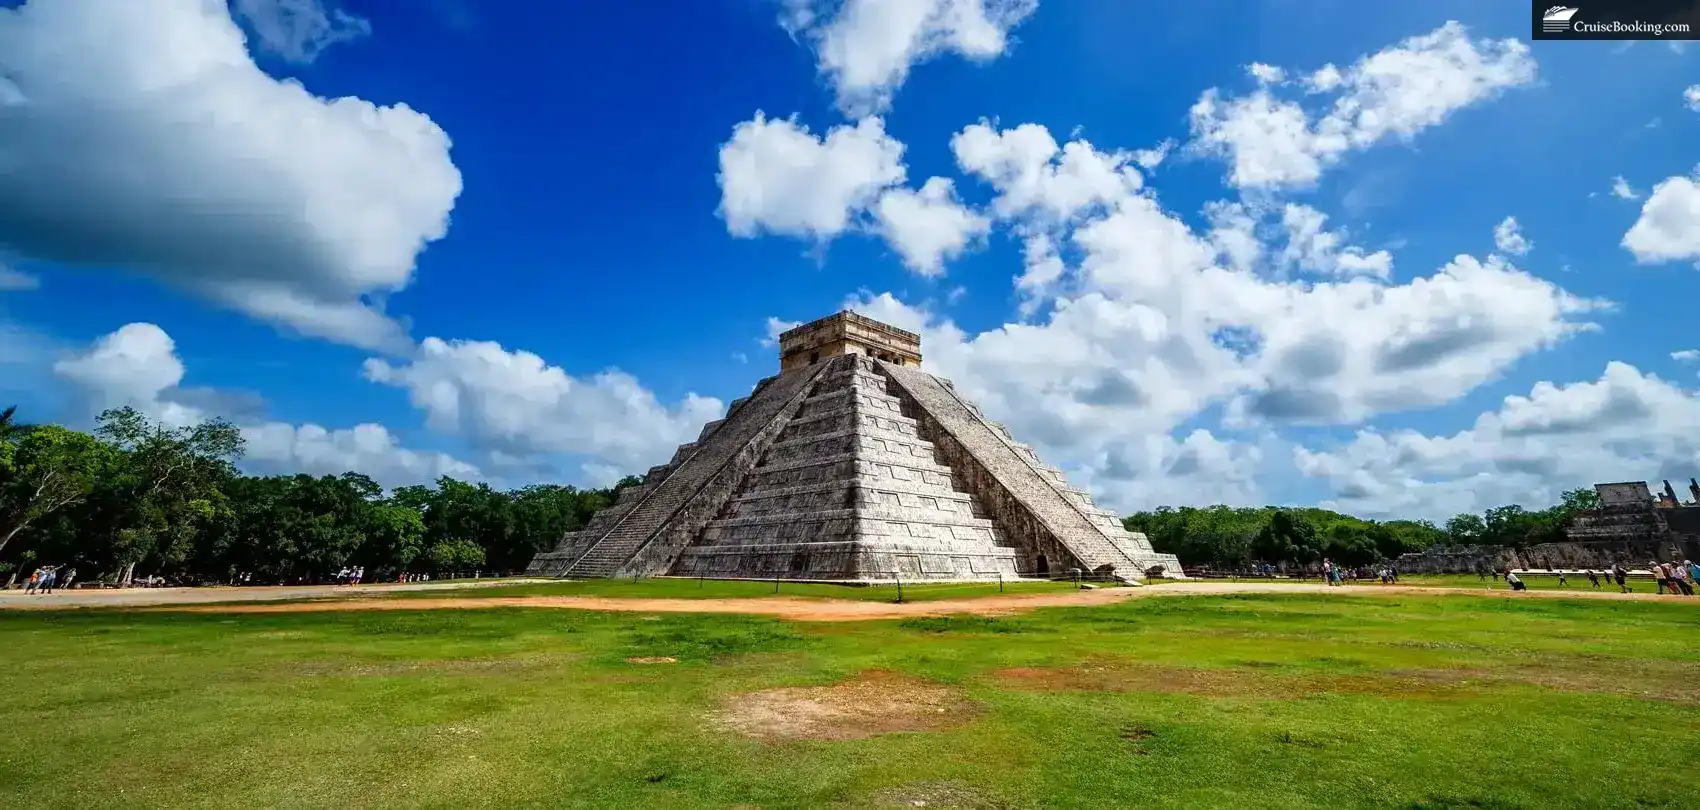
1275	700
1536	582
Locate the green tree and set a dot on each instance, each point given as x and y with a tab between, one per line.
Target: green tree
394	538
48	469
455	555
1288	537
1579	500
1465	529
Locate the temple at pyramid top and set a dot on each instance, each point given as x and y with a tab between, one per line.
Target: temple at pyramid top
847	333
853	464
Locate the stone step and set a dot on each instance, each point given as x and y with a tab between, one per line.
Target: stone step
683	482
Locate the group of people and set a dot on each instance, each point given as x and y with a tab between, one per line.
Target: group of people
1674	578
44	579
351	576
1336	574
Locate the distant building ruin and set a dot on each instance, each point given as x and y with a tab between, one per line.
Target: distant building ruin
1631	527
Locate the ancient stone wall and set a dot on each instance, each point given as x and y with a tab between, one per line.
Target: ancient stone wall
1597	555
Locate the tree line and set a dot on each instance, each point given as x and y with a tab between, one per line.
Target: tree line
136	497
1235	538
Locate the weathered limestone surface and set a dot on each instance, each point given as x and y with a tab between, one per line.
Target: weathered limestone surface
677	495
1031	502
854	468
852	490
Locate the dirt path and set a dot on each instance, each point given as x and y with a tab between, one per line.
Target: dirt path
840	610
381	597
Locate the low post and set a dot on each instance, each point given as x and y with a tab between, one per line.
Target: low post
1076	578
899	573
1000	582
776	583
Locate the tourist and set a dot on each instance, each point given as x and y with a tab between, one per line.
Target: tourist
34	582
1622	576
1693	571
1680	577
342	576
1563	582
49	575
1515	583
70	575
1594	578
1661	574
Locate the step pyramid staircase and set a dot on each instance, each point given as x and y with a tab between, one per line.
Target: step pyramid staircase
852	468
852	491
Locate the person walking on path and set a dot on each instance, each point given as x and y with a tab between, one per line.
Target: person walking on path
1515	583
1679	576
1618	573
34	582
1661	574
70	576
48	575
1594	578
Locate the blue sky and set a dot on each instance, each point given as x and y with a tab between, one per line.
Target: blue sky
525	242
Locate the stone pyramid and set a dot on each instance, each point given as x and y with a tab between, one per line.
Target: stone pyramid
853	464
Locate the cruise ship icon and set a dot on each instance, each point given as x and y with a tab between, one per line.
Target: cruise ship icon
1556	20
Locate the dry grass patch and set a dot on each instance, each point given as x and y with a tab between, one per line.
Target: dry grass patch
1119	676
653	659
1668	681
951	794
454	666
876	702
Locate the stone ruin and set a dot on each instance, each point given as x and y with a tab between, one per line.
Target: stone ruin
852	464
1630	527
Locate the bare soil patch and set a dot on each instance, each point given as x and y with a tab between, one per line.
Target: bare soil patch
653	659
876	702
265	600
808	610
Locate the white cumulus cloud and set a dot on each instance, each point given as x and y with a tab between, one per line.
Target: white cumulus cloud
1272	142
866	47
1625	426
1669	226
138	366
778	177
516	404
1621	189
142	136
1508	238
929	226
